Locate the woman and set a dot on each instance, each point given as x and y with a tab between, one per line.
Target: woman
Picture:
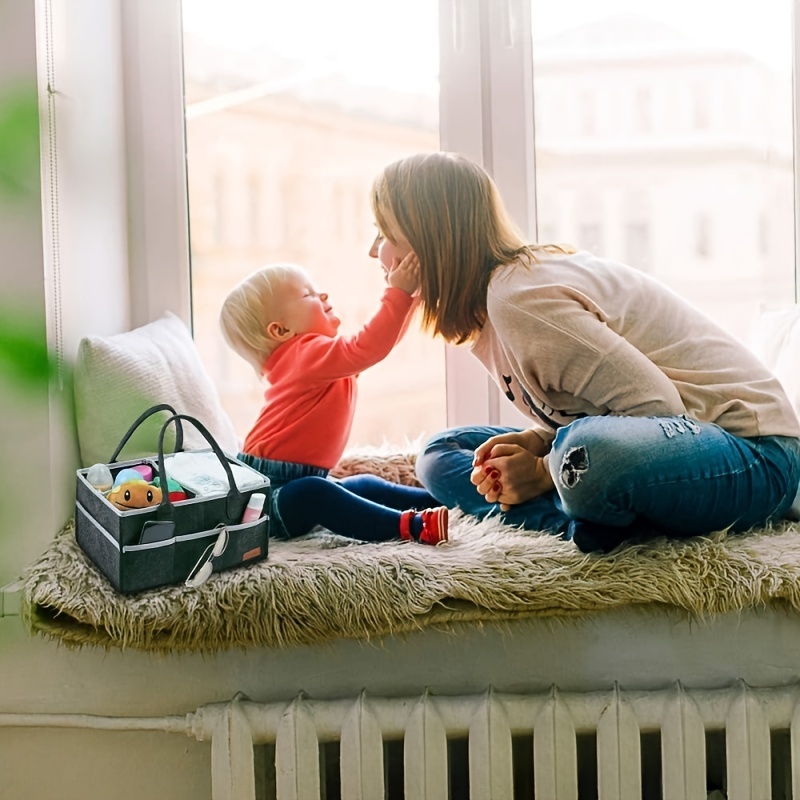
646	417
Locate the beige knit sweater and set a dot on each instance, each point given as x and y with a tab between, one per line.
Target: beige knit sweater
575	335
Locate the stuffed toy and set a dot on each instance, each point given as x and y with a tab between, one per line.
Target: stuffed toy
134	494
175	490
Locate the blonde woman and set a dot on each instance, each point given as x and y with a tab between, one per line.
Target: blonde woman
287	331
646	418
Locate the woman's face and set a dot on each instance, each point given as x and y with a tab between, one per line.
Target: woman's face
390	249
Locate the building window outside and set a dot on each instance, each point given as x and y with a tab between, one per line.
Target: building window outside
700	111
587	113
637	245
644	110
254	210
702	236
763	234
590	237
218	198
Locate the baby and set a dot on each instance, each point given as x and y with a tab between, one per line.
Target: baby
287	330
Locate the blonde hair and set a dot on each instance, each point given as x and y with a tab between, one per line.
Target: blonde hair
450	211
250	307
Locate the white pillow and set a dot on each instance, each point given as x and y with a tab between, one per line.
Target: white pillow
775	339
118	377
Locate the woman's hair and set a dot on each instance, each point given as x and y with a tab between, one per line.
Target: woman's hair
451	213
248	310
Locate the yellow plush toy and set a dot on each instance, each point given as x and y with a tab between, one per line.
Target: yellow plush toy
134	494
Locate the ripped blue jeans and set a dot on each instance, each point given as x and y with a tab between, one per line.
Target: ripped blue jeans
631	476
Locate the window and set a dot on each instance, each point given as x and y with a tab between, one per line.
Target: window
683	73
294	121
485	110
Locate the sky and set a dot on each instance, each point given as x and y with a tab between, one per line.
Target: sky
395	42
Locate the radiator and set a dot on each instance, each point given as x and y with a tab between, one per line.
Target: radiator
673	744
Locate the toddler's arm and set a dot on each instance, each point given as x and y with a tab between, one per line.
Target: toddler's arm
405	275
343	356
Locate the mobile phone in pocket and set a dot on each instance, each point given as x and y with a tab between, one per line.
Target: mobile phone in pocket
157	531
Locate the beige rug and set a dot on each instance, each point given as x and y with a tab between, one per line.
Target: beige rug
323	587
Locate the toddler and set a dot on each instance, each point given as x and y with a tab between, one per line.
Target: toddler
287	330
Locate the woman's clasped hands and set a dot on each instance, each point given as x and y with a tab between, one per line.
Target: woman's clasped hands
511	468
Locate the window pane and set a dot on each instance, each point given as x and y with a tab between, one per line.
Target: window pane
287	124
664	139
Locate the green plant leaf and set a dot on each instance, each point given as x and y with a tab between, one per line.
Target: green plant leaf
25	358
19	142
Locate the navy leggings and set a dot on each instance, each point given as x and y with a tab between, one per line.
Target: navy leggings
363	507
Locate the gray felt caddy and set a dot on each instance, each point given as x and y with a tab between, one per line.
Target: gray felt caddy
110	537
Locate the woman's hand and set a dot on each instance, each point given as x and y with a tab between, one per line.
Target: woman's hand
511	468
405	274
528	440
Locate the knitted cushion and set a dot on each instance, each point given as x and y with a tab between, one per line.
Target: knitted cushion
117	377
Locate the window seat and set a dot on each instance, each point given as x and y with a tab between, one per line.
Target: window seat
323	587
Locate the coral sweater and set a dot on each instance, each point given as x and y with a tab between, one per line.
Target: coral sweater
577	335
311	398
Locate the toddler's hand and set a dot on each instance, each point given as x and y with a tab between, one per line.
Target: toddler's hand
405	274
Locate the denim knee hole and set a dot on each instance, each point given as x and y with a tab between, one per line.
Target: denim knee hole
574	463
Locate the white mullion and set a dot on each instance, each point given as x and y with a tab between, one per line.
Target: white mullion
510	106
796	137
158	249
511	109
486	113
461	115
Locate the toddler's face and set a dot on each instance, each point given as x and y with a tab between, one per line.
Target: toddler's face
304	309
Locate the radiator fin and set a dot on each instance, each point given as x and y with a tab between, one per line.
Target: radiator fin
490	764
618	752
426	752
555	757
361	753
683	748
232	768
747	748
297	754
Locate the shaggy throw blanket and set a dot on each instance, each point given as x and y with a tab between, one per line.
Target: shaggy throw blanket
324	587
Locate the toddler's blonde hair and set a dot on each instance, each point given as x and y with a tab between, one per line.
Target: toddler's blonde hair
250	307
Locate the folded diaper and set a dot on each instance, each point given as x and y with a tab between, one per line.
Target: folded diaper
202	474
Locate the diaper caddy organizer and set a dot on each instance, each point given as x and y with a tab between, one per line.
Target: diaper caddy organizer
174	541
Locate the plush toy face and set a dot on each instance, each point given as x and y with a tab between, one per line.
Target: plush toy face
134	494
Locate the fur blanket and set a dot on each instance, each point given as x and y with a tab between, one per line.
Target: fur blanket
323	587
